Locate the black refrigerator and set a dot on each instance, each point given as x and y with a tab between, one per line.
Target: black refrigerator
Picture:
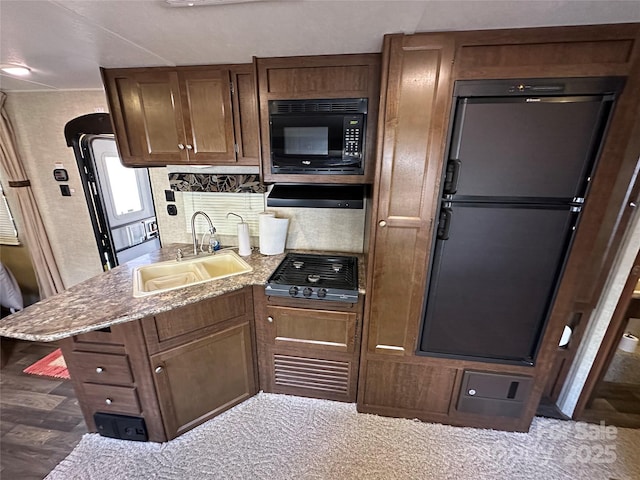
518	167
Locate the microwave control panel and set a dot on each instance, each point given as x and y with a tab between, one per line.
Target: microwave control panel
353	130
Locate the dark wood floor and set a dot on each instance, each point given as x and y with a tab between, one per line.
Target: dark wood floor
615	404
40	420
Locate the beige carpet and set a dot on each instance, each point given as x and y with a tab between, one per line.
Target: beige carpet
284	437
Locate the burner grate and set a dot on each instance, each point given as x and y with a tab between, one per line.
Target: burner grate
323	271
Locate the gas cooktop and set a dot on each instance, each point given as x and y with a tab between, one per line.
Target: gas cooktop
315	277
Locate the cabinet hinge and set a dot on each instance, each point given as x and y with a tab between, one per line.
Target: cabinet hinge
236	148
233	90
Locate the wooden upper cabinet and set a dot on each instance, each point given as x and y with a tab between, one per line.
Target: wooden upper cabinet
581	51
245	108
417	85
208	119
184	115
320	77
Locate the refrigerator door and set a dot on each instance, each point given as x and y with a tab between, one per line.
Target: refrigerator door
493	280
520	147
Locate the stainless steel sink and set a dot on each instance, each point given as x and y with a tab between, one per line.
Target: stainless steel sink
171	275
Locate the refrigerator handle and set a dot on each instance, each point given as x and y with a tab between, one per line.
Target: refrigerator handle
444	222
451	177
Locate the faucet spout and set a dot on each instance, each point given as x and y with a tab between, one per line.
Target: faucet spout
194	236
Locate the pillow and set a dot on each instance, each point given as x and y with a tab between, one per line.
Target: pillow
10	296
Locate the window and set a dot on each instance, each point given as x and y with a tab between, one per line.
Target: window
8	232
124	186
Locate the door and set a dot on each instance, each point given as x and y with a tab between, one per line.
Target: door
153	111
494	274
201	379
125	195
208	119
119	199
512	147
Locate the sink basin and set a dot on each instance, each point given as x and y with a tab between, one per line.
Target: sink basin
171	275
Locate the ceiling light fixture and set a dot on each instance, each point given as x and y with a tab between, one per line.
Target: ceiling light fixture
201	3
14	69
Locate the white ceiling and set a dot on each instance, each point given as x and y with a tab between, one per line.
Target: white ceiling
65	41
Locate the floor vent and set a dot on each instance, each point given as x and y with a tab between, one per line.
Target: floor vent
299	372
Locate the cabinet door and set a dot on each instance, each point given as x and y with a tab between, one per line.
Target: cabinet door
319	329
203	378
208	118
150	116
415	118
245	115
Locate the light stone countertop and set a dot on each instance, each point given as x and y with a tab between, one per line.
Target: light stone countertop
107	299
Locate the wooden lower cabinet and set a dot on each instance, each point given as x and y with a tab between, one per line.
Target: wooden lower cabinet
406	386
109	369
201	379
175	370
308	348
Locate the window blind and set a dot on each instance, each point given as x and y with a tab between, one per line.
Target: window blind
217	205
8	232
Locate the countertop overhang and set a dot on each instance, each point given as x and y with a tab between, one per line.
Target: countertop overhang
107	298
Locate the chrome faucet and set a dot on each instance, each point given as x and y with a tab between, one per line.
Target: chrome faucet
212	229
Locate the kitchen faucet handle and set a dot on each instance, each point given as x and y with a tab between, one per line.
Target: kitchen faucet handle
179	255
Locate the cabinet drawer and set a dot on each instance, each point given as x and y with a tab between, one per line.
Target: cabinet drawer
102	368
327	330
107	340
111	399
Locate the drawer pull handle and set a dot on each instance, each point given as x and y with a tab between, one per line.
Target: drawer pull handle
382	223
158	370
108	401
270	319
99	370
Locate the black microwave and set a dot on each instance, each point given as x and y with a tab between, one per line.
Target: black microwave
318	136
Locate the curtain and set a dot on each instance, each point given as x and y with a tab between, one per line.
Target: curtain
44	263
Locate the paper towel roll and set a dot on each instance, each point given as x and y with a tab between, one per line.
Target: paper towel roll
244	247
273	233
566	336
628	343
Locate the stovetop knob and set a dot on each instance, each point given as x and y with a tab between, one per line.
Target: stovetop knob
322	293
293	291
307	292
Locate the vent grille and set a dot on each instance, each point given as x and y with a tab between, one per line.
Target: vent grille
317	374
319	170
318	107
339	105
